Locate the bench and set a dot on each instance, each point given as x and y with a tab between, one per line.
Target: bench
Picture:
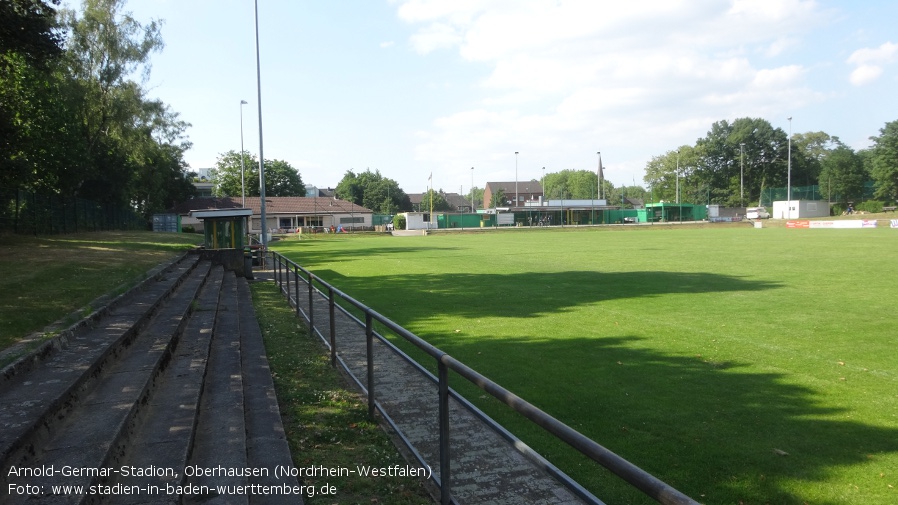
889	209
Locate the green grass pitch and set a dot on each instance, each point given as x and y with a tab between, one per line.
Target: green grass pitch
738	365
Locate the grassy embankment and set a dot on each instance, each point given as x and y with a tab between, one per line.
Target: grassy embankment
56	278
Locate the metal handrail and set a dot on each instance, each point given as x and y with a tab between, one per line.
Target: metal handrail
633	475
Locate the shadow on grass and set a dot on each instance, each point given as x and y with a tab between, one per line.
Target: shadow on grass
529	294
721	432
306	253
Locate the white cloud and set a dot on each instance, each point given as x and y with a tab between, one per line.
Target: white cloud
572	74
865	74
885	53
869	62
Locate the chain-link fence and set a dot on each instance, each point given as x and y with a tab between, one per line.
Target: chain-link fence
26	212
770	195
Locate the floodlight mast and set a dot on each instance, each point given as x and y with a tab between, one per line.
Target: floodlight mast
742	174
261	154
789	172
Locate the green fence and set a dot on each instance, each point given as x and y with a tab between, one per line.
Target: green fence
26	212
770	195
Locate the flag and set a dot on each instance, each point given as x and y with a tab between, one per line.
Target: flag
429	179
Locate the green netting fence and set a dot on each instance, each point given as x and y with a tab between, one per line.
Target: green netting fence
27	212
770	195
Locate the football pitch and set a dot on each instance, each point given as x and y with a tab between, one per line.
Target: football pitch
738	365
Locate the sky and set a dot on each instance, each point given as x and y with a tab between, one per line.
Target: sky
421	88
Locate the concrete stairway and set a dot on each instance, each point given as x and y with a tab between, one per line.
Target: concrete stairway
165	397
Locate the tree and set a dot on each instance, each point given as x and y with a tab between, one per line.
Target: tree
843	175
478	197
350	188
30	46
105	49
373	191
885	162
438	202
281	179
499	199
28	28
662	177
720	168
576	184
226	174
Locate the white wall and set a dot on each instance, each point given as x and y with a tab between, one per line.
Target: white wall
795	209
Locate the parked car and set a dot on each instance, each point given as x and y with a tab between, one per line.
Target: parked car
757	213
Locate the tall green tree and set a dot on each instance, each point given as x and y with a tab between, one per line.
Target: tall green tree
671	172
730	170
499	199
373	191
28	28
281	179
226	174
434	200
843	175
575	184
885	162
106	49
30	47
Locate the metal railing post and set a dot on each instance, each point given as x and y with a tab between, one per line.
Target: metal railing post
287	279
333	323
445	488
311	308
277	271
296	288
369	344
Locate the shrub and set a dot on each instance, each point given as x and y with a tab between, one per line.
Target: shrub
398	222
870	206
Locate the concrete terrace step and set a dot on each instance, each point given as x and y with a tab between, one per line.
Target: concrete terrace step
164	436
175	376
46	383
95	424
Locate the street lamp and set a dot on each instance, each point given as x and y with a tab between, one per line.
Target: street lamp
515	178
789	172
261	154
742	174
678	177
242	179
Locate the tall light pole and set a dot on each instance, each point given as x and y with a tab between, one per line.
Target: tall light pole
742	174
789	172
515	178
472	191
261	154
678	177
599	170
242	168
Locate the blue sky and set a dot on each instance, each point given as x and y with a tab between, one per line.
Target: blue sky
414	87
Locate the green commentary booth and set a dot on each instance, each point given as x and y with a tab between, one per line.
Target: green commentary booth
224	228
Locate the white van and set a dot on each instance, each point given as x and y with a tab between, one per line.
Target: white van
757	213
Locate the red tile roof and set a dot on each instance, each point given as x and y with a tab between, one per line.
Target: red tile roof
274	205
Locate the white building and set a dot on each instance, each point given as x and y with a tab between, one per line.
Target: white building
796	209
